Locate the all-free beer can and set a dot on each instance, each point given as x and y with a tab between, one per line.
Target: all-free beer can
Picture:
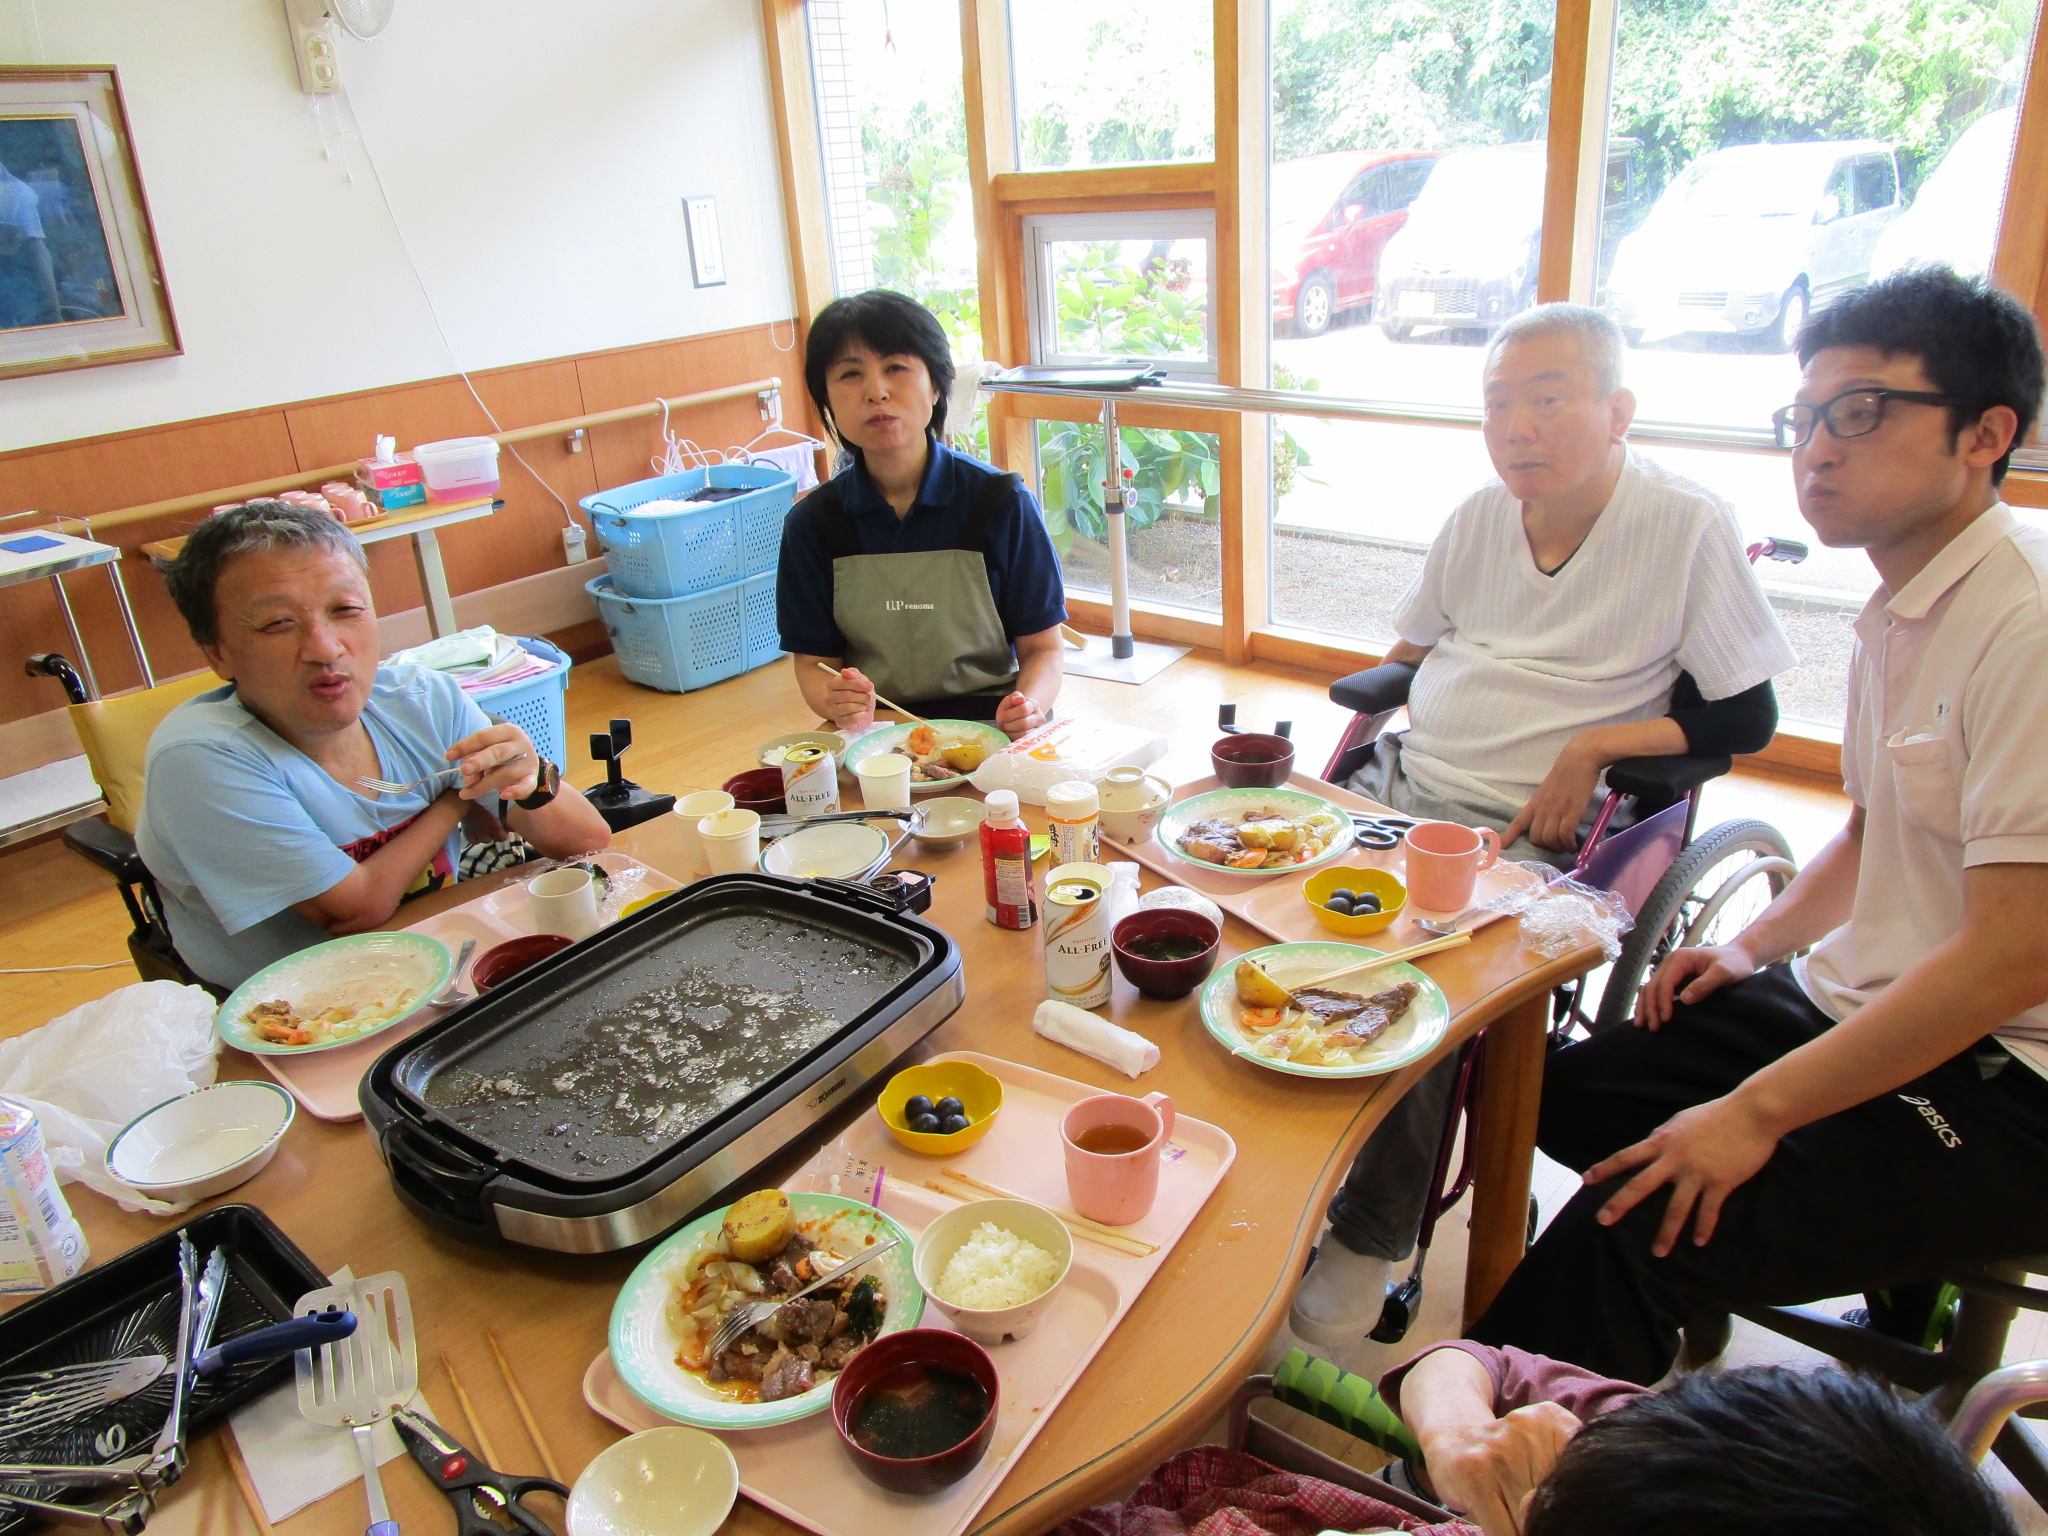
810	782
1077	935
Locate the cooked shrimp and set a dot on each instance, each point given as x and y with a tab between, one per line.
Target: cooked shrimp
923	741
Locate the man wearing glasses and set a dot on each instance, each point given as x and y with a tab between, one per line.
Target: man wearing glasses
1873	1113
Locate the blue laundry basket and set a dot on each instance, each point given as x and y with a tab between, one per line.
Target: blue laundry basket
679	644
536	704
673	554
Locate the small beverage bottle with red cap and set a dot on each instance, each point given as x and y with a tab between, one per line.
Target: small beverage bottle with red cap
1006	863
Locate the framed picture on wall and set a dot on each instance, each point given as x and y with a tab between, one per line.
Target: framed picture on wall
80	283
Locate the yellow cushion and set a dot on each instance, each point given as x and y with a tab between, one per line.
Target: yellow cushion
115	734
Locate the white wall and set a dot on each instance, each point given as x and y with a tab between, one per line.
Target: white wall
535	154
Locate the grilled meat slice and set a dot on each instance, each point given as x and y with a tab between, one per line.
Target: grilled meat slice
787	1375
1376	1015
808	1321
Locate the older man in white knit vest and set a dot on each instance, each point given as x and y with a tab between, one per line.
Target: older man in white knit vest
1586	606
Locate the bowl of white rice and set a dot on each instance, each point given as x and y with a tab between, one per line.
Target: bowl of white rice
993	1265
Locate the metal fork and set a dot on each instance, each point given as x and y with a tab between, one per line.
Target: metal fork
386	787
744	1318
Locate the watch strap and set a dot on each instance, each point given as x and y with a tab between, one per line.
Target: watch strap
547	784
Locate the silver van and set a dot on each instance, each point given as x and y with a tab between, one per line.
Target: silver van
1748	241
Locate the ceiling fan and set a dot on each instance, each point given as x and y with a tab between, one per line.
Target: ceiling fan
312	25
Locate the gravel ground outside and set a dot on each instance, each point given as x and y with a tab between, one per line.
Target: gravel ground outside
1351	589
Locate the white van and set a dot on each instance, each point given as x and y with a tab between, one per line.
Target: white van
1750	240
1953	219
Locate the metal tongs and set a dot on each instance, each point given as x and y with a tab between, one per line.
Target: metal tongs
138	1477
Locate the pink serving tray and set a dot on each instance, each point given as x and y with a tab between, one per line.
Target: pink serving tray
325	1082
1276	906
799	1470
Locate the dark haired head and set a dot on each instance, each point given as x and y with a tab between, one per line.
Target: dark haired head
1973	341
888	325
1766	1452
254	525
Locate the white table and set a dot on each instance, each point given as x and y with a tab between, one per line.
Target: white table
32	554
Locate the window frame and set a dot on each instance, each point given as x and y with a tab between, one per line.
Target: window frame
1233	190
1042	231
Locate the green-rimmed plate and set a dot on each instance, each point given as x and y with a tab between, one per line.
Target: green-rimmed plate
1412	1036
1236	805
392	974
892	738
644	1342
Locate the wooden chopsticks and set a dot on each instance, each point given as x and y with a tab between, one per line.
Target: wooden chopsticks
956	1185
885	703
1392	957
478	1435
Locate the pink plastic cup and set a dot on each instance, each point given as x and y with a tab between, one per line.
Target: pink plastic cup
1116	1188
1445	861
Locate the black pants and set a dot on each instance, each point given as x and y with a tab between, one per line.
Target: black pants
1946	1171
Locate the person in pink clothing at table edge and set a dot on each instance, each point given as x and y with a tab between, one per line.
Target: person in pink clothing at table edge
1517	1445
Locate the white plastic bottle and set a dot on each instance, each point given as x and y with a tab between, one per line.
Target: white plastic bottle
40	1241
1073	814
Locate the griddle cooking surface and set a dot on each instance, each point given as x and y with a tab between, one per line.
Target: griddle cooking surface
608	1076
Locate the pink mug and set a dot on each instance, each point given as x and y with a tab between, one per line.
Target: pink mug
1444	863
1117	1185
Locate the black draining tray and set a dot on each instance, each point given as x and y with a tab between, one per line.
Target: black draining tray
128	1305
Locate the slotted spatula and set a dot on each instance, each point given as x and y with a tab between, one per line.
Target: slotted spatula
356	1382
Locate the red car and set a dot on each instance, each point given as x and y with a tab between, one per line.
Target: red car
1332	215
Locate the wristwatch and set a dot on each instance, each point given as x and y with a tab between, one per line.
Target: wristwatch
547	782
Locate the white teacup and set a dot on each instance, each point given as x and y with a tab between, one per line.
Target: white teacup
691	809
563	901
732	841
1132	802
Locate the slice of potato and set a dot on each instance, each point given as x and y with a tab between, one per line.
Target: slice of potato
1258	990
759	1226
966	757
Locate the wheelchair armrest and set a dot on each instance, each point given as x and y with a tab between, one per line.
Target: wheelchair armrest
99	841
1376	690
1662	780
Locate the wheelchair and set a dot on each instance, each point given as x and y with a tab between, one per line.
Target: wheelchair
1681	887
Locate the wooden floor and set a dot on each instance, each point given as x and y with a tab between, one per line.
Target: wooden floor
55	910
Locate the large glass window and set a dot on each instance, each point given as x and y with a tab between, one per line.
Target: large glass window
1171	486
1790	155
893	133
1117	84
1406	199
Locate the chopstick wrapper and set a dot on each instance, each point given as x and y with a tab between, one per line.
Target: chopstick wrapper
293	1461
1108	1043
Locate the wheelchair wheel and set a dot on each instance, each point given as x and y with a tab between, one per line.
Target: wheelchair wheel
1714	888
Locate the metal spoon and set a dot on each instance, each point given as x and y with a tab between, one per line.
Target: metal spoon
452	994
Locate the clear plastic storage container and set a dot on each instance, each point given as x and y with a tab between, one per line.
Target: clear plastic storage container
459	468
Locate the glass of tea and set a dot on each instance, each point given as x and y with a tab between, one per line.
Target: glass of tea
1112	1144
1165	952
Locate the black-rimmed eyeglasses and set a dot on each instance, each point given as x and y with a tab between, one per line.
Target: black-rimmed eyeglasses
1853	413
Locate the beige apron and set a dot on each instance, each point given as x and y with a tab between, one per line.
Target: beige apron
922	626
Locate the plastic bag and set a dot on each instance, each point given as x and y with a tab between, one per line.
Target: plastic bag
839	1170
89	1072
1063	750
1122	897
1564	915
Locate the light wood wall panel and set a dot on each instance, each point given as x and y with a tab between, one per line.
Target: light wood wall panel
106	474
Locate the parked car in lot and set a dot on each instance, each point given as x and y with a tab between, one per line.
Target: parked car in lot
1328	262
1749	240
1953	218
1467	256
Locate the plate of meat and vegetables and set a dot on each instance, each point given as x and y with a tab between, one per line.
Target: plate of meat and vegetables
1265	1007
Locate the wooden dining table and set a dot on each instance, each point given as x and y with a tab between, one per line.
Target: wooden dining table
1191	1339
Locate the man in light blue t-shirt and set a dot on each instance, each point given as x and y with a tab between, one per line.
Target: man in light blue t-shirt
260	842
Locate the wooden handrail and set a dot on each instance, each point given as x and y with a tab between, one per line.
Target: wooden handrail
234	493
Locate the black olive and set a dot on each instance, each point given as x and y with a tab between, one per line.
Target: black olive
917	1104
925	1125
1367	902
1341	894
948	1106
953	1124
1338	905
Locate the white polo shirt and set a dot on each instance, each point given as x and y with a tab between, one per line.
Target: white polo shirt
1524	661
1946	750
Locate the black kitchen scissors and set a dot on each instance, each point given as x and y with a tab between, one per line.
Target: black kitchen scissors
1379	832
478	1491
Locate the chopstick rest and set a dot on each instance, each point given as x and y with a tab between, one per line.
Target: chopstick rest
1108	1043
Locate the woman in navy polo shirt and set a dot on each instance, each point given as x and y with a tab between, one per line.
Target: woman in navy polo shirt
917	572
